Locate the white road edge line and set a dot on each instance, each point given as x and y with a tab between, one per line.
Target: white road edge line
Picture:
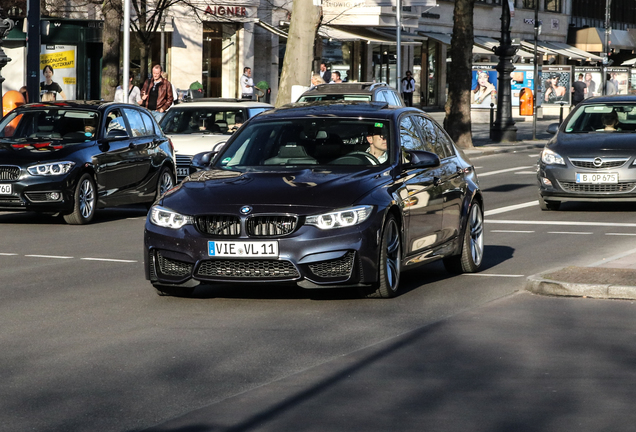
510	208
512	231
49	256
562	223
570	232
8	254
489	173
612	258
109	260
492	275
621	234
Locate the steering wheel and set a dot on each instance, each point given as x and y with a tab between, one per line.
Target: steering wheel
360	156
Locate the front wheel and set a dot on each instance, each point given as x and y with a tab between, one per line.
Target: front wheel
85	200
164	184
390	262
472	252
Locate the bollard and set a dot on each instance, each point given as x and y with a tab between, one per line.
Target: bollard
492	117
561	113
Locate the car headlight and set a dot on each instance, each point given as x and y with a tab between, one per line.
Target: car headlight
163	217
340	218
48	169
549	157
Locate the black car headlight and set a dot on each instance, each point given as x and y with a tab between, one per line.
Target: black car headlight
163	217
340	218
549	157
51	169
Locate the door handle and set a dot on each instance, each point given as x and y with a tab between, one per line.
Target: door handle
437	181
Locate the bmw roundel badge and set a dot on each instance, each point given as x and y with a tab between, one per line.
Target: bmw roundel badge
246	210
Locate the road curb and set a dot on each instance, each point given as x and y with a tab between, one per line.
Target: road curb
539	285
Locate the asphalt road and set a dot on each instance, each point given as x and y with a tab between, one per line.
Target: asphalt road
88	346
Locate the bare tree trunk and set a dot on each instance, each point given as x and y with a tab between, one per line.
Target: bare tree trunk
299	54
457	122
112	10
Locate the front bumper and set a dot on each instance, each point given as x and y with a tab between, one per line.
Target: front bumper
39	193
559	184
309	257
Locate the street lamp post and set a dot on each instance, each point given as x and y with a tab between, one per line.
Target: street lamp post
5	27
504	128
163	43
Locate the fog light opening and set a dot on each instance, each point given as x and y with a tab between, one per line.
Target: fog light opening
53	196
546	182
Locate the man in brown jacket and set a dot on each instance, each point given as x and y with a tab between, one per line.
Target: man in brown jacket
156	93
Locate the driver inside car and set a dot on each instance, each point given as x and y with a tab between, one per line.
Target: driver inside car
377	143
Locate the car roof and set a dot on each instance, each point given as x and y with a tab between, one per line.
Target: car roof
380	110
223	102
79	104
610	99
350	88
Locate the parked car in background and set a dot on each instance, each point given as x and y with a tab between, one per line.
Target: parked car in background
199	126
321	195
591	157
362	92
73	157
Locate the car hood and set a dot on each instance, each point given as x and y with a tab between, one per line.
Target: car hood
594	144
297	191
16	153
191	144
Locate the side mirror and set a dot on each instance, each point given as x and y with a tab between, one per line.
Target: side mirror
202	160
116	134
421	159
553	128
218	146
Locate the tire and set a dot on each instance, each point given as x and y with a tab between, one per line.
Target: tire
548	205
472	253
84	201
390	262
170	291
165	183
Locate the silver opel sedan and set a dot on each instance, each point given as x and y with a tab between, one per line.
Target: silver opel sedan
592	157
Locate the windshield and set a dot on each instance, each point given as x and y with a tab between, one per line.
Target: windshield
332	97
49	124
603	118
314	141
189	120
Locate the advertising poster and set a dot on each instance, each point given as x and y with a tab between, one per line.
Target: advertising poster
523	76
632	87
58	72
556	83
618	80
592	78
484	87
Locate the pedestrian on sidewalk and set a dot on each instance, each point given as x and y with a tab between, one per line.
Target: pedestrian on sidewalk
578	90
325	73
156	94
247	84
408	87
134	94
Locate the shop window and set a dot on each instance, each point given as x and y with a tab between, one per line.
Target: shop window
528	4
553	5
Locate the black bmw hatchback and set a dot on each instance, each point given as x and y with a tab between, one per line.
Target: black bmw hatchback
73	157
322	195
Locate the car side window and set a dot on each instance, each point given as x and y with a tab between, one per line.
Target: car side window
444	139
379	96
136	123
430	135
390	97
115	121
148	122
409	136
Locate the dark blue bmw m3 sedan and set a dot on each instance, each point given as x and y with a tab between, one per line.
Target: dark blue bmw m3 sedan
324	195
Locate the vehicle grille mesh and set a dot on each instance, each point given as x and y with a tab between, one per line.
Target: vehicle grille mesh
334	268
170	267
598	188
219	225
9	172
183	161
248	269
604	165
271	226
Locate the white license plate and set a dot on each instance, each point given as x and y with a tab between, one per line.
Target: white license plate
183	172
6	189
267	249
595	178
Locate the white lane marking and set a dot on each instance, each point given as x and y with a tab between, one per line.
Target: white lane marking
526	173
570	232
8	254
143	217
534	155
621	234
510	208
109	260
562	223
49	256
489	173
492	275
512	231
